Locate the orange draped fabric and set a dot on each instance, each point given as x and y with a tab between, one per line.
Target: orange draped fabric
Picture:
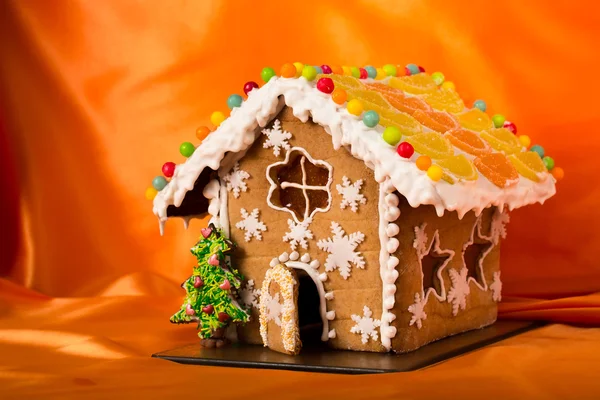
96	95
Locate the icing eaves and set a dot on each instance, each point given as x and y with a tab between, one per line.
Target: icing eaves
238	133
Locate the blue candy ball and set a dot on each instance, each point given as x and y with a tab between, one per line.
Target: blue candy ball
319	69
538	149
371	71
413	68
371	119
480	104
235	100
159	183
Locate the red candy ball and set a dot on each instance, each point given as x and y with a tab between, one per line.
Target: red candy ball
325	85
363	73
209	309
405	150
168	169
510	126
249	86
421	69
407	71
326	69
223	317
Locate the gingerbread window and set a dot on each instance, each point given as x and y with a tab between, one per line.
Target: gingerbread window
300	185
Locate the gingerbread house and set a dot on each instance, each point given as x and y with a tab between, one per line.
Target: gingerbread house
366	207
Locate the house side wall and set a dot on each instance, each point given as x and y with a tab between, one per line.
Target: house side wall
481	309
349	296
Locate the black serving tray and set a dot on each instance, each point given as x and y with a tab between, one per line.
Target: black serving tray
322	359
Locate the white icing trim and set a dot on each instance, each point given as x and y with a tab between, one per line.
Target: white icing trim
387	207
212	192
237	133
303	186
224	212
322	296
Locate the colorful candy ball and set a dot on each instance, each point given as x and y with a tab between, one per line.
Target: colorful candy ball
390	69
202	132
288	70
510	126
363	73
249	86
558	173
217	118
371	119
326	69
299	67
448	85
168	169
309	73
405	150
267	73
538	149
186	149
325	85
318	69
371	71
355	107
421	69
525	141
233	101
347	70
392	135
480	104
337	70
159	183
423	163
435	173
355	72
438	78
380	74
548	162
498	120
339	96
412	69
150	193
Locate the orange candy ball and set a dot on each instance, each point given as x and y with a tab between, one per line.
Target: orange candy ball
339	96
202	132
423	163
288	71
335	69
558	173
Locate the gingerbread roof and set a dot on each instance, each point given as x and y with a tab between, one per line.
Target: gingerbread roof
412	130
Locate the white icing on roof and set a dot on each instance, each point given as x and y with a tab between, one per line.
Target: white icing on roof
238	133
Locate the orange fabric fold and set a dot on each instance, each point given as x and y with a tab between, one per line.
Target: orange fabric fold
96	96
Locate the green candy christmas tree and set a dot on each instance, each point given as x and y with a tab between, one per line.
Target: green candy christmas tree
212	291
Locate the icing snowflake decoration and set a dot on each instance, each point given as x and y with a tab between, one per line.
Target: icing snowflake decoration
418	311
365	325
298	234
496	287
273	307
251	225
250	295
351	195
498	226
277	138
420	243
235	180
457	295
342	250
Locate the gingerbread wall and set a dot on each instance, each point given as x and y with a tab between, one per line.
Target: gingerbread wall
481	309
363	287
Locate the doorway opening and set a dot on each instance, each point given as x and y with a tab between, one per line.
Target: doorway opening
309	316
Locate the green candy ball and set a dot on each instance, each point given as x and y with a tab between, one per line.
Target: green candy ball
498	120
548	162
187	149
390	69
355	72
267	73
392	135
233	101
371	119
438	78
309	73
